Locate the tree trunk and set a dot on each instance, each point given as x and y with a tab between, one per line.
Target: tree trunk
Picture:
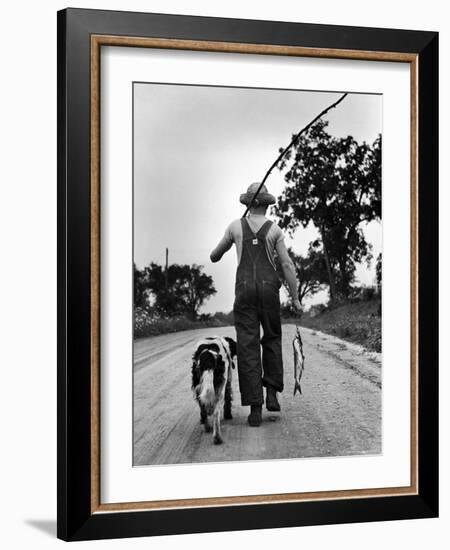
344	278
328	264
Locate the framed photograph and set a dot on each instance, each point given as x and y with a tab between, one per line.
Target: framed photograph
247	255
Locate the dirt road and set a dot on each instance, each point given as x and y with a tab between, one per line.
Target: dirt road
338	414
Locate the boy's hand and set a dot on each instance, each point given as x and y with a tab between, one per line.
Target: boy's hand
296	305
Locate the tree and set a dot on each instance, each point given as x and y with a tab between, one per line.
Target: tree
139	287
186	290
335	183
379	271
311	271
200	287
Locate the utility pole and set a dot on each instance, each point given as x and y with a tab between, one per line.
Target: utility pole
167	269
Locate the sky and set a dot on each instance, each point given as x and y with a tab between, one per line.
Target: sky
197	148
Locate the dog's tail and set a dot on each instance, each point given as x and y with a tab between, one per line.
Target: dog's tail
207	392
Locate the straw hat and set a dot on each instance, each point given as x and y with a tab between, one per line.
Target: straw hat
263	198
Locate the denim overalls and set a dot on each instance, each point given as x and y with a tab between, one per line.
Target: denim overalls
257	303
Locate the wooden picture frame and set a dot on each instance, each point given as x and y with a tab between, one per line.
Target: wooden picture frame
81	35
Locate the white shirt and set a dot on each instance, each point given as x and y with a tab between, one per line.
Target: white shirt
233	234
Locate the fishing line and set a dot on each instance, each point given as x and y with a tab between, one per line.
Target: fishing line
294	140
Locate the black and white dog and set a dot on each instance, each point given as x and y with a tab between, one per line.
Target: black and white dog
211	380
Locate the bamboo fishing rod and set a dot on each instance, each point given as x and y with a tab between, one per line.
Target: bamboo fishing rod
294	140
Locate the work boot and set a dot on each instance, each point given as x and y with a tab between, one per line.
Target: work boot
272	403
255	416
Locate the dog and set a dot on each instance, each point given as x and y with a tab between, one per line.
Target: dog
212	364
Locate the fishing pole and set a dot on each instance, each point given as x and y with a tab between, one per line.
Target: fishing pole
280	156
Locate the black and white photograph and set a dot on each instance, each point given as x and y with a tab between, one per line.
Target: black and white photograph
224	299
257	274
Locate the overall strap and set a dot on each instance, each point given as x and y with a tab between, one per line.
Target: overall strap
247	233
264	229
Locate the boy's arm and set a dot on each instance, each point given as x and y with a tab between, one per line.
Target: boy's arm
289	272
224	245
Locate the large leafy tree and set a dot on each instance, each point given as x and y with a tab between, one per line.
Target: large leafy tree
139	287
310	270
200	287
182	289
334	183
379	271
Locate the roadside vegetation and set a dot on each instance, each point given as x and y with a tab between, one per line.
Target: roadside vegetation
169	300
148	322
358	320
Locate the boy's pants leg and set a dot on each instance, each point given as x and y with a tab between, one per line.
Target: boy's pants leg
247	319
246	322
271	349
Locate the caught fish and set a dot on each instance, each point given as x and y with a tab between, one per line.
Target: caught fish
299	361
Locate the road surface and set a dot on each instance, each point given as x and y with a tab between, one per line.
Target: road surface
339	412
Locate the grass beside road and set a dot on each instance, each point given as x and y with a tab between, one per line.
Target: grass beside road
146	324
358	322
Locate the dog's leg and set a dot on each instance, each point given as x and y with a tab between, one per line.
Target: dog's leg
228	398
203	415
208	427
217	431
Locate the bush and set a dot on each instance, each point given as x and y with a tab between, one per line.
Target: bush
357	322
148	322
143	321
288	312
316	310
363	294
224	318
368	293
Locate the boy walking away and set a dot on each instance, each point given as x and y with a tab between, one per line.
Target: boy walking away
257	301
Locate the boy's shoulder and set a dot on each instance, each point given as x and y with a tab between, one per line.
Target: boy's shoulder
276	232
275	227
235	225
